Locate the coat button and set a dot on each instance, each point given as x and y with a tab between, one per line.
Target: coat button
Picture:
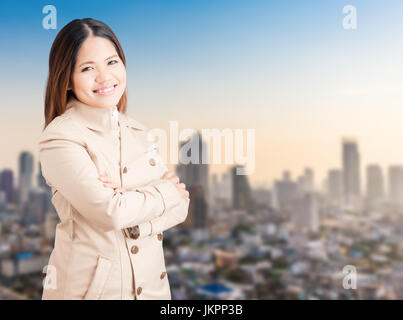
134	232
134	249
139	289
125	170
152	161
162	276
159	236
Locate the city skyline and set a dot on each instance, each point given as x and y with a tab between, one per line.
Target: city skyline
323	98
288	70
315	184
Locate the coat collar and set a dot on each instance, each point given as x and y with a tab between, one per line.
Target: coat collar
99	119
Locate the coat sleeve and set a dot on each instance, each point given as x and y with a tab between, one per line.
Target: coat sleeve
168	219
67	166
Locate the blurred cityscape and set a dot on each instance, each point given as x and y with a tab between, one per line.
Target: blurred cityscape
291	241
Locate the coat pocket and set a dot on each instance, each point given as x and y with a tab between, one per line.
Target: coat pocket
99	279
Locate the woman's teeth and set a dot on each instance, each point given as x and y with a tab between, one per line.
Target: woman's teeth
105	90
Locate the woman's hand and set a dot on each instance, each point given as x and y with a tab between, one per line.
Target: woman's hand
169	175
109	184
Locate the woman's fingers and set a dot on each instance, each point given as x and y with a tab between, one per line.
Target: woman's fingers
111	185
121	190
107	182
175	180
104	179
167	175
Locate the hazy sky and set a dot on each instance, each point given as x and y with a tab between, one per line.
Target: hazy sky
285	68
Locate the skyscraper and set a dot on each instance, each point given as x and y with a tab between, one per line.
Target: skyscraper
395	189
305	182
351	171
335	186
241	192
375	184
197	216
7	184
305	212
221	191
192	170
284	191
309	180
26	162
193	163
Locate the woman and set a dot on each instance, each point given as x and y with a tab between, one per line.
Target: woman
113	194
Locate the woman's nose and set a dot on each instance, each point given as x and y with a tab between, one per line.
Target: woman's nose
103	76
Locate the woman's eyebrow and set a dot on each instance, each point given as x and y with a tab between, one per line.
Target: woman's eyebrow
115	55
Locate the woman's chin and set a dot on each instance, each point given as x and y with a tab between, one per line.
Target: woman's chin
105	101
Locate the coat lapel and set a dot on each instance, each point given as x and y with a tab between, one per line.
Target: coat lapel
133	142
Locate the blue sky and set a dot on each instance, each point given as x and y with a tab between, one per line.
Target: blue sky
286	68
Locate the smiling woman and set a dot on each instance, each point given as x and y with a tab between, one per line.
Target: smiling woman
101	82
113	198
91	67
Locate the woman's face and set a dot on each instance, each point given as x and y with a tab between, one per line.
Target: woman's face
98	66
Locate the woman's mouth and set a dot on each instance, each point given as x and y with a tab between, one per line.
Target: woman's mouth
105	91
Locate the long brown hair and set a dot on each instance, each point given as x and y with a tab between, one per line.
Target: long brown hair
62	59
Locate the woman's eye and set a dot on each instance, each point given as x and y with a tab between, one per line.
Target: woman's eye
85	69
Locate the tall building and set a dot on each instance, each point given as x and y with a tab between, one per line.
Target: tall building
193	163
263	197
285	191
305	182
7	184
34	210
301	185
309	183
335	186
375	184
305	212
214	186
395	189
351	171
241	192
197	216
221	190
3	203
26	161
192	170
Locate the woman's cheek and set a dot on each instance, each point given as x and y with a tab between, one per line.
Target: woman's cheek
83	82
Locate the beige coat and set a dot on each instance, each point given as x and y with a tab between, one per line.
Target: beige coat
94	256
